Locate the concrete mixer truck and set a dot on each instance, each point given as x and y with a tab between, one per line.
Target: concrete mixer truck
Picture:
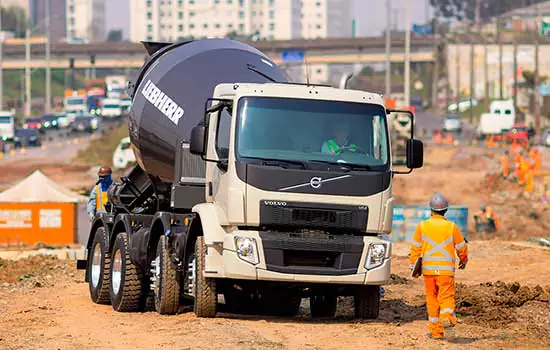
250	192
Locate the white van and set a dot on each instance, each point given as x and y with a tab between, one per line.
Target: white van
123	155
507	112
111	108
7	126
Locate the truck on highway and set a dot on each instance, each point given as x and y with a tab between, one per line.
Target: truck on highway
7	126
233	195
115	85
75	102
499	120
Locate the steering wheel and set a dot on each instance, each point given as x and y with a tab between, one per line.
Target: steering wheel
352	149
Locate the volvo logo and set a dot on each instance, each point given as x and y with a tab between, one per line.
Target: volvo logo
275	203
316	182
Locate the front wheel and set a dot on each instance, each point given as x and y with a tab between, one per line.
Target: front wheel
203	289
127	288
367	302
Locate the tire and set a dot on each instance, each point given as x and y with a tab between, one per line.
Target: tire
367	302
98	277
206	296
167	289
130	293
323	305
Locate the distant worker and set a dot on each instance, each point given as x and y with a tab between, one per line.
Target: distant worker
536	157
518	161
98	196
340	141
486	215
505	165
435	242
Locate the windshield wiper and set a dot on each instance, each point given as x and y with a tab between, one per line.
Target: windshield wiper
281	162
346	166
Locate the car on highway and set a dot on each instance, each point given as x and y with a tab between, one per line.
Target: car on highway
452	124
49	121
123	154
63	120
546	138
32	123
85	122
27	138
111	108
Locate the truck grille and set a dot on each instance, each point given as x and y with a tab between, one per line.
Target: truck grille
306	253
316	216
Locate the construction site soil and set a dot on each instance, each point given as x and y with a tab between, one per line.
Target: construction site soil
503	296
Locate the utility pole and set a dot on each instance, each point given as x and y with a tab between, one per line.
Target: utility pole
486	75
536	87
435	80
472	82
27	72
408	53
515	75
48	101
1	64
388	49
500	66
457	74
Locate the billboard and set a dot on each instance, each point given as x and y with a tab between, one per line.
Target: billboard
407	217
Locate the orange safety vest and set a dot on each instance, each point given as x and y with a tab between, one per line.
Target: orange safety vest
505	166
100	198
436	240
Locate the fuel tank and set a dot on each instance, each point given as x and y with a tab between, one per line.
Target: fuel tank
170	92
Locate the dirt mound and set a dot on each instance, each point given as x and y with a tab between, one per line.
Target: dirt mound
497	304
32	272
396	279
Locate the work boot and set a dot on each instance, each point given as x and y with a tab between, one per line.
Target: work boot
449	328
432	337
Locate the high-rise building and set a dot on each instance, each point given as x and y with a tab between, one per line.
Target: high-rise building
86	19
21	3
58	15
176	19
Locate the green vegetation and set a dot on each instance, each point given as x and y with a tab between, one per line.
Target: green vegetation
14	83
100	150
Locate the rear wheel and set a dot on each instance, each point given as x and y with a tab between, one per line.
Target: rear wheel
203	289
99	263
166	288
367	302
323	305
127	288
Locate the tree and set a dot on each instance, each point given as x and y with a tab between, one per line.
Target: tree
529	79
466	9
14	19
114	35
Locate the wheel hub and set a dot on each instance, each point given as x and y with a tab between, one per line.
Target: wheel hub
96	265
116	276
155	274
191	274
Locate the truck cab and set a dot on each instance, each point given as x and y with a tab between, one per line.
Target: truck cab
7	126
111	108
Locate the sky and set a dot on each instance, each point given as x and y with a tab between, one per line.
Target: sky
367	25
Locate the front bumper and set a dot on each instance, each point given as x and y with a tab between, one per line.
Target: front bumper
222	261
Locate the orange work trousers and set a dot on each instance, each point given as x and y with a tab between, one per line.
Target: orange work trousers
440	302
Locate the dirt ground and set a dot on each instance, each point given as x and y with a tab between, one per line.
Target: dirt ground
503	297
44	304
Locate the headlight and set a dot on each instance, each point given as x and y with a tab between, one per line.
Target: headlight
247	249
375	255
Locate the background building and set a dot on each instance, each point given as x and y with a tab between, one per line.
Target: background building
177	19
58	15
21	3
86	19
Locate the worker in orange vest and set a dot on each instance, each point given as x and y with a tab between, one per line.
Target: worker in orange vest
487	213
536	158
98	196
434	244
518	160
505	165
524	168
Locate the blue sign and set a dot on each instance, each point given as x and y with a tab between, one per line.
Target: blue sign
544	89
407	217
422	29
292	56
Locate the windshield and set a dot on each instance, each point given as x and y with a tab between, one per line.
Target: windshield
75	101
312	130
111	106
5	120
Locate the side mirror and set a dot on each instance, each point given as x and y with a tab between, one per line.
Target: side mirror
197	144
415	154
